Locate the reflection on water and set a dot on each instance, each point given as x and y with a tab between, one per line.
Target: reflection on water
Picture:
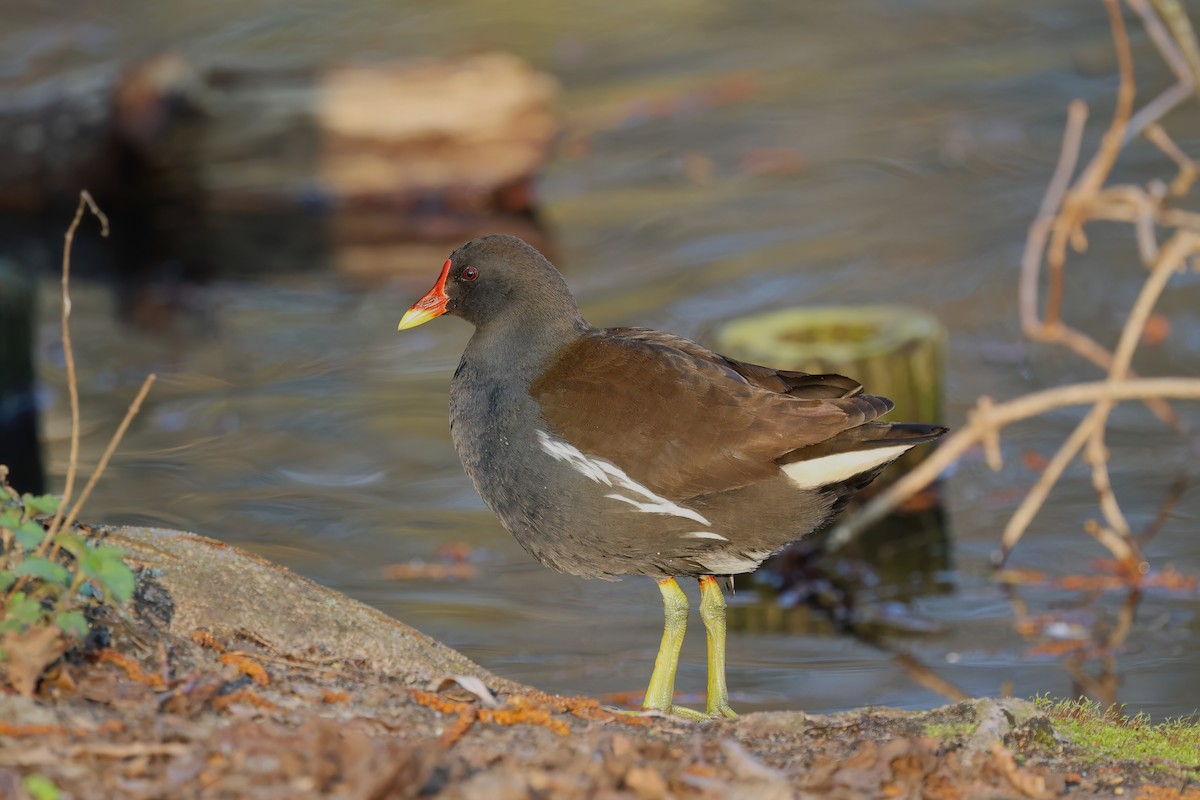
290	418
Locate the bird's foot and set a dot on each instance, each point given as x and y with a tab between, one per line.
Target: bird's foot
683	712
688	713
721	711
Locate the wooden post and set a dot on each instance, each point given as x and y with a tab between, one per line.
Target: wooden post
892	350
20	448
895	352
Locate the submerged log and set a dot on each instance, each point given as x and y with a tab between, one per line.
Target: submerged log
458	133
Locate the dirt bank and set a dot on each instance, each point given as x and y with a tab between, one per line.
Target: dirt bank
233	677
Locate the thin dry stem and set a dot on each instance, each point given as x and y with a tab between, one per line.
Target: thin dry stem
991	434
1175	16
1001	415
1113	541
50	544
1187	167
1143	226
1035	498
44	755
926	677
1157	108
1163	40
1128	203
85	202
1059	225
1035	247
1101	165
1171	258
1067	229
1039	231
113	443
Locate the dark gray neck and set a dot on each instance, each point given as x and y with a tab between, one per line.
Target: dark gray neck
521	343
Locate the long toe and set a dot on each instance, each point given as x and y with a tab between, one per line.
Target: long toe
682	712
721	711
689	714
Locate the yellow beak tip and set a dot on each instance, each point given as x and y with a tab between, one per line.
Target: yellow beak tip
414	317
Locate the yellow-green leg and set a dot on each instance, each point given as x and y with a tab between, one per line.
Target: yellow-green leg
712	612
660	695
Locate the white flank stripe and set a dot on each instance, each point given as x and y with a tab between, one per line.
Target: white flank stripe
817	472
733	564
561	451
706	535
610	475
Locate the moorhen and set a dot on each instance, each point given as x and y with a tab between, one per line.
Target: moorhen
628	451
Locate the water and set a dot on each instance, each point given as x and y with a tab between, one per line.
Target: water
911	144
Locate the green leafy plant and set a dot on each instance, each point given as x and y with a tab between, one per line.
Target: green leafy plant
45	585
50	575
41	788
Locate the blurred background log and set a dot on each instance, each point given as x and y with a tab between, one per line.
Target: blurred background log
246	170
371	169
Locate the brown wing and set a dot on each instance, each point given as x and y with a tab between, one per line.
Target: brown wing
796	384
680	423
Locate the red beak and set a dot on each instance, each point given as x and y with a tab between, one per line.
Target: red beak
433	304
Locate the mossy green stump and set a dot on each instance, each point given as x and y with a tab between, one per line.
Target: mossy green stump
893	351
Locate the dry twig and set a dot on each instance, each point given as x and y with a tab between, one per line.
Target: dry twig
113	443
1001	415
1058	229
62	519
85	203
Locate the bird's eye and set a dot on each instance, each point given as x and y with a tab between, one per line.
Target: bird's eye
470	274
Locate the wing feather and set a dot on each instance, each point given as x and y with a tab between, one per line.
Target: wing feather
684	421
796	384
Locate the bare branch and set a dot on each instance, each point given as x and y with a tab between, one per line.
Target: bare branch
85	202
1001	415
113	443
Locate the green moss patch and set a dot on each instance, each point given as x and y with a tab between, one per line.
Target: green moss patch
1110	735
951	730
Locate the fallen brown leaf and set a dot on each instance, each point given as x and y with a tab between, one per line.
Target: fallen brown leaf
247	666
130	668
29	653
646	783
1024	781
